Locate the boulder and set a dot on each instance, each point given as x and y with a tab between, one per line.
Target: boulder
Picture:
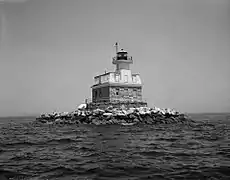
148	119
116	116
132	116
136	120
82	106
107	114
123	121
58	120
96	121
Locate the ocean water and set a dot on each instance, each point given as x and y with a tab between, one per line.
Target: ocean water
201	151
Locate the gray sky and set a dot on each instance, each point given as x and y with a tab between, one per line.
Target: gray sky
51	49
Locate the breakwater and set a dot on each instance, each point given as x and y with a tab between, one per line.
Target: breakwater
131	116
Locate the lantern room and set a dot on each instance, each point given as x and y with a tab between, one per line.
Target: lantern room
122	55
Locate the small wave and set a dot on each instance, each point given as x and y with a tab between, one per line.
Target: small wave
89	149
59	141
153	153
23	156
63	141
139	152
17	144
57	172
7	174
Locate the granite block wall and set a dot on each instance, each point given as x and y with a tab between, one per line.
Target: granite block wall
105	105
125	94
100	94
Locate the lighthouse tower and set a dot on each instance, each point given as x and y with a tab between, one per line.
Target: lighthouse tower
122	62
118	87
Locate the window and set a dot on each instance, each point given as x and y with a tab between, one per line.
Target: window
134	92
126	91
117	91
126	78
117	78
134	79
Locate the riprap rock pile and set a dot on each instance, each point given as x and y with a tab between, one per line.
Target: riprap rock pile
116	116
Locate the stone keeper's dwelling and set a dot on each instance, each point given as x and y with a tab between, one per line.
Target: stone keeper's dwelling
117	88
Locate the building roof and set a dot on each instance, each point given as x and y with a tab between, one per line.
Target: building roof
122	50
115	85
103	74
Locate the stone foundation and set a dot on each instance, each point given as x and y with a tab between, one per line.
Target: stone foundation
131	116
119	104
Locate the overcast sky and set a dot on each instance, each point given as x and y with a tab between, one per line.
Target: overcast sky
50	50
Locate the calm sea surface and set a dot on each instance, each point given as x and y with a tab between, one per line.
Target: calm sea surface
116	152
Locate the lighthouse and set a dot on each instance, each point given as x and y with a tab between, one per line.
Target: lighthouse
120	87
